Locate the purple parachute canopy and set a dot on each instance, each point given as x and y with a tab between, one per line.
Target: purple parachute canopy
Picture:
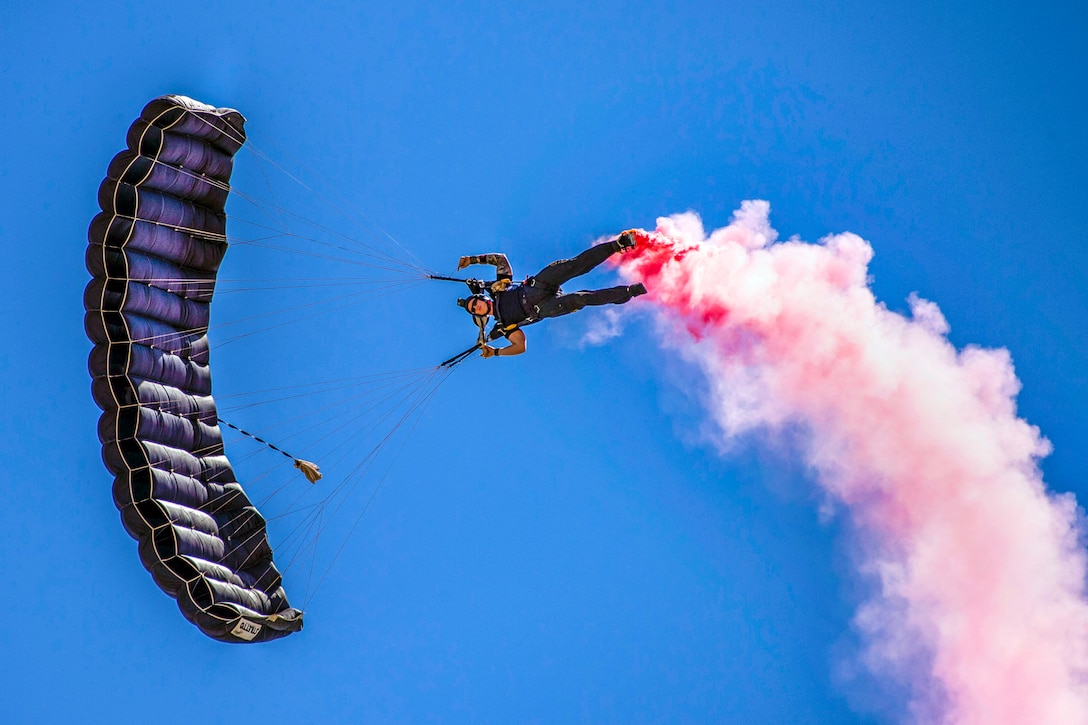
153	256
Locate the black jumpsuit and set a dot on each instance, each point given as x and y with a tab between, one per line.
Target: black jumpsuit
540	297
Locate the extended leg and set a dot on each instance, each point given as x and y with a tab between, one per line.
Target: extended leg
565	304
558	273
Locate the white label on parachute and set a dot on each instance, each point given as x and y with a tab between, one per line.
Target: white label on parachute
246	629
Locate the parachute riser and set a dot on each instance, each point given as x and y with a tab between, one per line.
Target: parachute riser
475	286
460	357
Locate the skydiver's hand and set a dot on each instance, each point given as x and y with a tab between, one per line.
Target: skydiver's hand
488	351
464	262
500	285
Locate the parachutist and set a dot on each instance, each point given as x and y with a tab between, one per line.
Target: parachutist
515	305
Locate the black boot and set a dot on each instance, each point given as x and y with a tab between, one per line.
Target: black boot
625	242
637	289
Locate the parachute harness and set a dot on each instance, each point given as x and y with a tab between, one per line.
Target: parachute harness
478	288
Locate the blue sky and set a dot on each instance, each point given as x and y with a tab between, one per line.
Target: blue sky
610	567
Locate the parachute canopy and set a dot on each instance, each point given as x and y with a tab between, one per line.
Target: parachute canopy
153	254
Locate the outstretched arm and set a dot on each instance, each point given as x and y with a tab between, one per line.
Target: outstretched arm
503	271
516	346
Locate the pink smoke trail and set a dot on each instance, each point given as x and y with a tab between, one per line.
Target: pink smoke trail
976	563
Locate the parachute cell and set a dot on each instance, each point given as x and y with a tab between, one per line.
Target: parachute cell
153	255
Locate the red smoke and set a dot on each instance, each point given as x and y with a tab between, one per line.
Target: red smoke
980	570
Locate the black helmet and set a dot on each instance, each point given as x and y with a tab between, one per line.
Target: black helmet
469	300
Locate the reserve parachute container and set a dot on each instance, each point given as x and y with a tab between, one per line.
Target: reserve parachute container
153	255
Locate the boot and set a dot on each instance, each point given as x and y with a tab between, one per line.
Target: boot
625	242
637	289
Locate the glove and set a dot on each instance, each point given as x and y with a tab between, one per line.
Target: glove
464	262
